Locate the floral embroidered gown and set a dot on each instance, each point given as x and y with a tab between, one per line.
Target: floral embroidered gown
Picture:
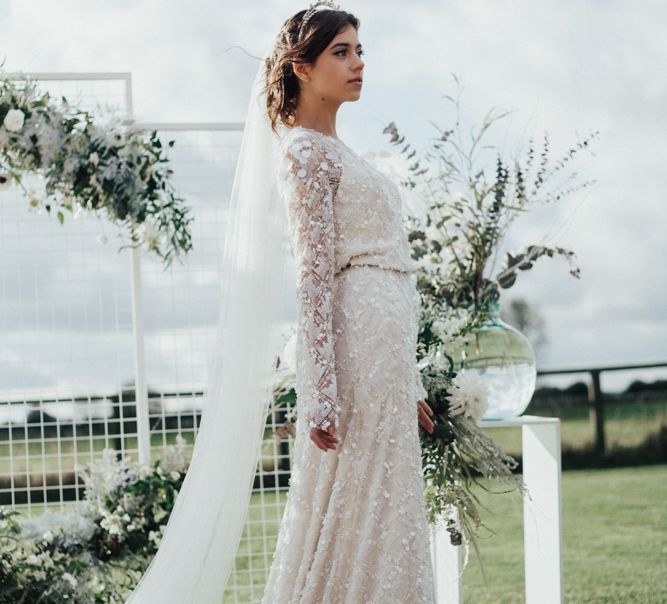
354	529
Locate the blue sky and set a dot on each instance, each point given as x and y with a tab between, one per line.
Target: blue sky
567	67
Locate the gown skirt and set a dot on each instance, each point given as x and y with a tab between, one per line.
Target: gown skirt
354	528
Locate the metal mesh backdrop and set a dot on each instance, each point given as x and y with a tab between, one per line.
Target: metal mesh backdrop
92	337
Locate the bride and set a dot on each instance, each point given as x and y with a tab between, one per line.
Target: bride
354	528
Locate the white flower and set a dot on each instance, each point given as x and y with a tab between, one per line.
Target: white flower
71	579
174	475
48	537
156	536
33	200
14	120
158	513
469	396
32	559
449	329
117	139
94	158
439	328
5	181
111	523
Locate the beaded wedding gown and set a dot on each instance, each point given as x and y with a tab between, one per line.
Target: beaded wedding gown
354	529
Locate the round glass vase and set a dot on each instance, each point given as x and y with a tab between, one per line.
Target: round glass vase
504	360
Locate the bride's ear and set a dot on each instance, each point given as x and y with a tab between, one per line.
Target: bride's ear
302	71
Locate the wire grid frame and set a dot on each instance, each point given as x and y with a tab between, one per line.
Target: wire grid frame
65	318
69	368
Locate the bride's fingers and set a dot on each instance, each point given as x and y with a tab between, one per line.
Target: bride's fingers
425	420
321	443
424	405
317	442
324	438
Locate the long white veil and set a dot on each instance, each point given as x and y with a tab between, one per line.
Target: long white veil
197	552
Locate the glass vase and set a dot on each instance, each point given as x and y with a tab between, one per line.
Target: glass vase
503	359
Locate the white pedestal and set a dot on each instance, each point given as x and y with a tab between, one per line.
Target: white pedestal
542	518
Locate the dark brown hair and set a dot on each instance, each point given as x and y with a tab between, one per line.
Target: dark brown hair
295	46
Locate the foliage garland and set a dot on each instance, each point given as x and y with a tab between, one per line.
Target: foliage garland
86	166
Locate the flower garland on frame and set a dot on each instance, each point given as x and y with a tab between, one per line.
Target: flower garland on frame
86	166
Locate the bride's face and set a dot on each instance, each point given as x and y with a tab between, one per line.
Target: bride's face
336	66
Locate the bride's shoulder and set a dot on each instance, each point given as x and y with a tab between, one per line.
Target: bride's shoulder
298	138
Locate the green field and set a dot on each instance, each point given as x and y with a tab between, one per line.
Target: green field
628	426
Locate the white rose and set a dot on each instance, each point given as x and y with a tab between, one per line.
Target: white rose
48	537
14	120
94	159
71	579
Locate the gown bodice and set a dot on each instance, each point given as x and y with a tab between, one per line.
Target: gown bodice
367	217
341	212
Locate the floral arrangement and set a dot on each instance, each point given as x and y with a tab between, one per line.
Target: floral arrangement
91	552
86	166
456	244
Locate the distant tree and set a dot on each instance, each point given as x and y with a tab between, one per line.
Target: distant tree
577	389
640	386
527	320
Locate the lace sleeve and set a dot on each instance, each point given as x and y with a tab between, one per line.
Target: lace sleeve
310	177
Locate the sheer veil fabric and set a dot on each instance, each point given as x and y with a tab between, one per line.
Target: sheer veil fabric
197	552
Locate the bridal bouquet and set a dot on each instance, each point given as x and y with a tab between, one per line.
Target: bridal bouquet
86	166
456	243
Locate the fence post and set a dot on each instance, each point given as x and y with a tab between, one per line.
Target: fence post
596	410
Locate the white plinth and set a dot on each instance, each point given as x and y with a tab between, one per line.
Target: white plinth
542	518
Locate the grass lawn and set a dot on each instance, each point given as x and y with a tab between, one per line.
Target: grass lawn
614	541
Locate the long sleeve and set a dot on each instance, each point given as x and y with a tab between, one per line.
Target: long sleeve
310	179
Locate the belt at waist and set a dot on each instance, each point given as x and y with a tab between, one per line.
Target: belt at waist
350	265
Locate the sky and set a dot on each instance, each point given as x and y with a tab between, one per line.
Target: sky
568	68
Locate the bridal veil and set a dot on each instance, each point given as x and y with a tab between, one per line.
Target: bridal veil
197	552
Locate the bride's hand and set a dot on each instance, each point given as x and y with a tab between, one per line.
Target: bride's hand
423	414
324	439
